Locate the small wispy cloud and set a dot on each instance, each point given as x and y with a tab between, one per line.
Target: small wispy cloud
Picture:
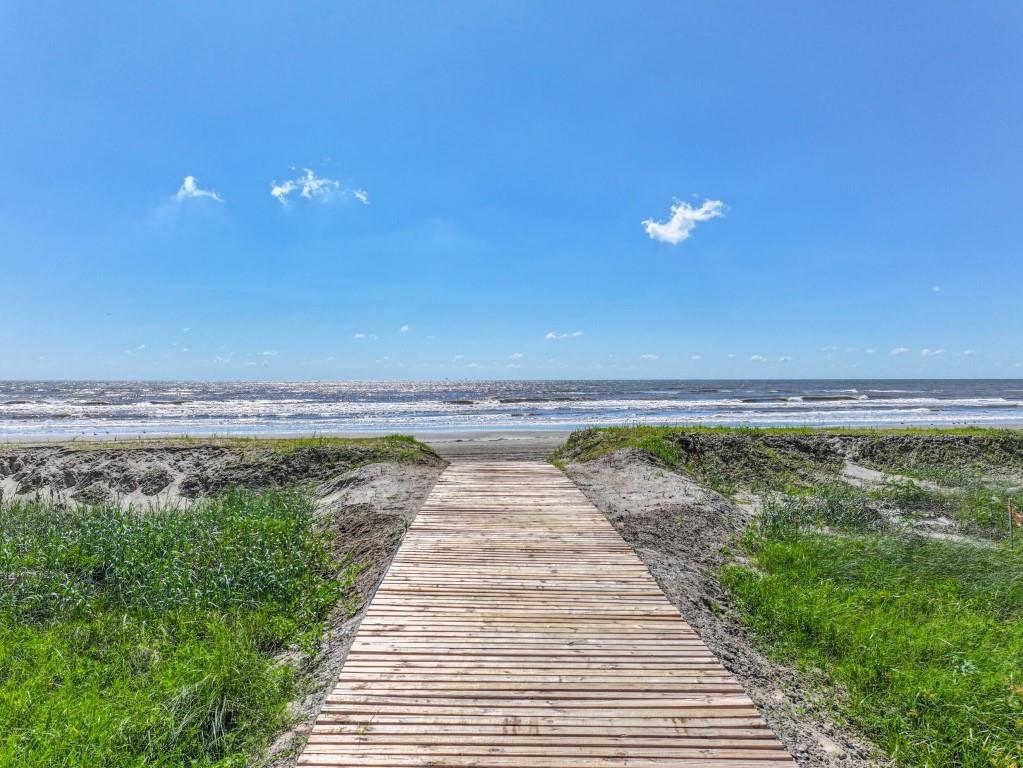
683	220
568	335
404	329
870	350
696	357
969	352
829	348
312	187
757	359
515	356
936	288
899	351
269	353
190	189
785	359
361	335
649	356
931	352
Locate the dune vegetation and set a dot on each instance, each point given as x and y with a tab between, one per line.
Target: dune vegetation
900	592
131	639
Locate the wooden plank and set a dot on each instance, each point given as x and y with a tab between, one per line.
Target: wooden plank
516	629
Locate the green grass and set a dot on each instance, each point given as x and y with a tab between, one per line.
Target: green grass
132	639
925	636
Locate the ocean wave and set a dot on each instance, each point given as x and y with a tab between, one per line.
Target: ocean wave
282	408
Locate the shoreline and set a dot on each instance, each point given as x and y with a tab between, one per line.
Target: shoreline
454	445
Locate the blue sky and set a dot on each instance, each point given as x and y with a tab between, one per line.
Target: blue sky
480	178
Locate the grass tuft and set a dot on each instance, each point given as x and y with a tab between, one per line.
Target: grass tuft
130	639
925	635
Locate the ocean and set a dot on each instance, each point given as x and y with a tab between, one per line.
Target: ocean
66	409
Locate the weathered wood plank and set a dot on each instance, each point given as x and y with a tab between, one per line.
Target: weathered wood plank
516	629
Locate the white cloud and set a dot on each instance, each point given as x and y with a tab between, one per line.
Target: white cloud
758	359
731	354
648	357
931	352
829	348
313	187
899	351
869	350
140	347
269	353
516	356
190	189
308	185
696	357
785	359
361	335
969	352
936	288
556	335
404	328
222	360
683	219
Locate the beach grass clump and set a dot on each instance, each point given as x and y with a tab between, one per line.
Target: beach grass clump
924	636
833	506
134	638
977	508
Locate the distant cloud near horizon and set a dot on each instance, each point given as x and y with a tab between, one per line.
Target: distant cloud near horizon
899	351
190	189
649	356
931	352
556	335
757	359
684	219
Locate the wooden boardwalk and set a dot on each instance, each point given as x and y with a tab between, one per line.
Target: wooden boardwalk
516	629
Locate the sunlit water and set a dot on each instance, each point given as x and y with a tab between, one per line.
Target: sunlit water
91	409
